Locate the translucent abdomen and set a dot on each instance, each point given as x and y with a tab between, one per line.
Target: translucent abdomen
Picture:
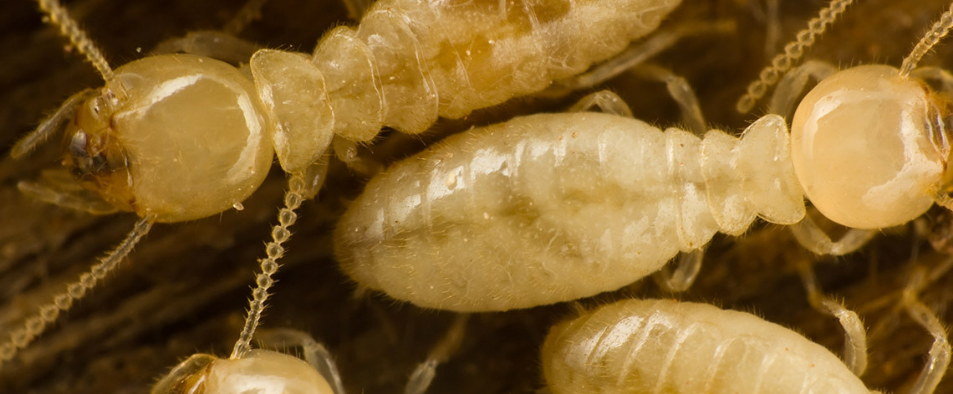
410	61
549	208
481	53
665	346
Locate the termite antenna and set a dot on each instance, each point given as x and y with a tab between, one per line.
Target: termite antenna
35	325
423	375
52	125
249	12
269	265
933	36
70	29
792	52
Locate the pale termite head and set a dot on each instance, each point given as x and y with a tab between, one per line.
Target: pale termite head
185	139
260	371
869	147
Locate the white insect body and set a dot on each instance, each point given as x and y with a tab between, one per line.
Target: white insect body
412	60
181	137
555	207
665	346
551	208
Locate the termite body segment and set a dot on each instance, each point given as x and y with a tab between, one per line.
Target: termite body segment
411	61
665	346
180	137
555	207
550	208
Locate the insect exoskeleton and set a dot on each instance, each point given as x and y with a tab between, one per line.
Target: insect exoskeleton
554	207
181	137
870	147
263	371
666	346
549	208
156	152
266	371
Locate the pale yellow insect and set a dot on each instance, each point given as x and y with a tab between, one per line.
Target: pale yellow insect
181	137
266	371
550	208
665	346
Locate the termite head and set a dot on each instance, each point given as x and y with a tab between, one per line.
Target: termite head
260	371
93	155
175	137
869	147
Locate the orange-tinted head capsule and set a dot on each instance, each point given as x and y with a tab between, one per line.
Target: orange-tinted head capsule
188	139
868	147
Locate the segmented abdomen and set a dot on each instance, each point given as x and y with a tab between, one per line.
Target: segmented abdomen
541	209
410	60
665	346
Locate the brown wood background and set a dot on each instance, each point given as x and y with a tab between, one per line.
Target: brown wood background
184	288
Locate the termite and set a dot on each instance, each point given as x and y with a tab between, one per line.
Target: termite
270	371
655	346
555	207
181	137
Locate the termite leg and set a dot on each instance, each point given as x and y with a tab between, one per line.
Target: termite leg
249	12
59	188
356	8
939	356
772	34
606	101
209	43
223	45
855	336
684	275
314	353
792	85
768	14
314	176
636	55
814	239
347	151
423	375
681	91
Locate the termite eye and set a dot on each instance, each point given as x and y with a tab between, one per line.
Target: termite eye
83	164
77	145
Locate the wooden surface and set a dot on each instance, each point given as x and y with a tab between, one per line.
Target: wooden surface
184	288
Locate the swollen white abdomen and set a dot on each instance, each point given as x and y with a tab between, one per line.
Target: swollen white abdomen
537	210
665	346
